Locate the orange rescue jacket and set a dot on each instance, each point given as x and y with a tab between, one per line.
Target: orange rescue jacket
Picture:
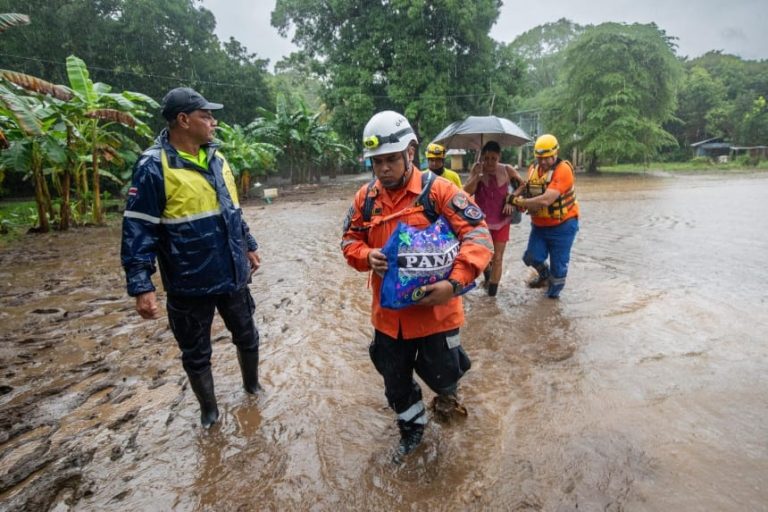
560	178
393	206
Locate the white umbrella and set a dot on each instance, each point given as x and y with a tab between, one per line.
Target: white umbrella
475	131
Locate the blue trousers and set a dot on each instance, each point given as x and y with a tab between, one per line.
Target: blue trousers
555	243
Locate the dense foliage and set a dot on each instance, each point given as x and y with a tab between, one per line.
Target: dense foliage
620	86
612	93
147	46
432	60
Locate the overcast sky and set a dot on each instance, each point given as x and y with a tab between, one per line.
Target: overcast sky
739	27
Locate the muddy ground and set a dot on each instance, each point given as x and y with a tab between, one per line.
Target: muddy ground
644	388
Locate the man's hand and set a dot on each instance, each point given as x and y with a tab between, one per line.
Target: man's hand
146	306
436	294
378	262
254	259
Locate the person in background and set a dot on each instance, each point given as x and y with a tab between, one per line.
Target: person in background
550	199
183	211
490	181
423	338
436	162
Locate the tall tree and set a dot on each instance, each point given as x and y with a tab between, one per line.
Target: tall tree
621	85
149	46
700	93
737	115
432	60
542	48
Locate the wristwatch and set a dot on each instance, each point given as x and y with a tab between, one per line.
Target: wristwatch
457	286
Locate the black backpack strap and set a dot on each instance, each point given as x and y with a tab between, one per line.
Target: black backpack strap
427	179
370	199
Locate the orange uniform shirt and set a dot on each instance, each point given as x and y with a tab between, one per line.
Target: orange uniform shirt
474	255
562	181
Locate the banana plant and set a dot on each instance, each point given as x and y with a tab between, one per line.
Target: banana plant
34	145
94	114
245	155
12	19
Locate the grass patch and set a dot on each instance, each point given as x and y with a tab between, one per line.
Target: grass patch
692	166
19	216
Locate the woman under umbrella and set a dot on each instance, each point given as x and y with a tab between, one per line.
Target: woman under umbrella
490	181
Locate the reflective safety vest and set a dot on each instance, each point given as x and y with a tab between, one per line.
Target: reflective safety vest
188	219
537	185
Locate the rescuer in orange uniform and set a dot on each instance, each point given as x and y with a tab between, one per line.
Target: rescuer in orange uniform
550	198
423	337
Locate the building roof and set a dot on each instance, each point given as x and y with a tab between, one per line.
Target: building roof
708	141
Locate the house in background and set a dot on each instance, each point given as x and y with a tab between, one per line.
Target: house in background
457	159
712	148
720	151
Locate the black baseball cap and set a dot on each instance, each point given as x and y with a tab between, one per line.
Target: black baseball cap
185	99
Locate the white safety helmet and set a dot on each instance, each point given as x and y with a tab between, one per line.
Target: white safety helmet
387	132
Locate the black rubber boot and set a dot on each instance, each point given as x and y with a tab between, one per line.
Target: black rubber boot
543	278
202	385
410	437
249	368
486	275
493	289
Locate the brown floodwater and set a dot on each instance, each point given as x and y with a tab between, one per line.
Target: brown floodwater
643	389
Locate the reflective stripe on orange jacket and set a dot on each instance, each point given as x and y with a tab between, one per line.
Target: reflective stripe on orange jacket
561	179
474	254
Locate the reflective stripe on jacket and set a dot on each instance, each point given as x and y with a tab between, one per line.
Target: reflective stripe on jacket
360	238
189	219
561	178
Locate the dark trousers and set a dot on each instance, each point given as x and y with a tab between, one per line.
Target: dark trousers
438	360
191	318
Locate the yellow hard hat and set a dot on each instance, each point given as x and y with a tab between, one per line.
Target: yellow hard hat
545	146
435	151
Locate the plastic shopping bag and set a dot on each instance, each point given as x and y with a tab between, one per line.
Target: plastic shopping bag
417	257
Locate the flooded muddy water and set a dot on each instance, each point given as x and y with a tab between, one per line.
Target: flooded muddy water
643	388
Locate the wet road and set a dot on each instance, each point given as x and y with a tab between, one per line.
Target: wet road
643	389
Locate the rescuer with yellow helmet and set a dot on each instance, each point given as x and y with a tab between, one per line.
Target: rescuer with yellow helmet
436	160
550	199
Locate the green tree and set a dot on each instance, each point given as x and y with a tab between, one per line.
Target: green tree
700	93
735	117
432	60
149	46
542	49
621	84
246	156
94	112
302	136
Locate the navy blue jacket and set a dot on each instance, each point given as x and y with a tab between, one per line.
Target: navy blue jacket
189	220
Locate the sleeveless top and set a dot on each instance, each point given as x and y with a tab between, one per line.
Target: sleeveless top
490	195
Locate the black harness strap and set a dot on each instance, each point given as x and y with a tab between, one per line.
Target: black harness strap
423	199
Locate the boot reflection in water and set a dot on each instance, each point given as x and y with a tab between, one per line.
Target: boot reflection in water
202	385
249	369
